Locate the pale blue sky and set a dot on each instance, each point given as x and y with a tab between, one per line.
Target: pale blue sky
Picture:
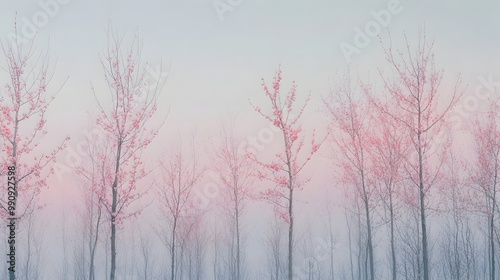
216	65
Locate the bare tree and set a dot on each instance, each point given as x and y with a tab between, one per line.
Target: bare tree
350	133
415	90
276	257
486	174
91	214
180	173
235	172
389	147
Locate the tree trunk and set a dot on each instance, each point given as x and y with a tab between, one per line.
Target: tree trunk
350	248
369	229
290	236
492	249
113	212
332	271
94	246
172	251
425	249
393	249
113	249
492	243
237	243
492	225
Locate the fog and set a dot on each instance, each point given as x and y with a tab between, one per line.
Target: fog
204	175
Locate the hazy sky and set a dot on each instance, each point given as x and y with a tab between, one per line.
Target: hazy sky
216	64
216	60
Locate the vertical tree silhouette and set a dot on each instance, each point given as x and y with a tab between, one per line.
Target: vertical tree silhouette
124	119
23	104
284	170
415	91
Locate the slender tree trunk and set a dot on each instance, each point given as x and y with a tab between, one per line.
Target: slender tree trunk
350	248
113	247
94	246
290	214
425	249
369	229
216	254
492	245
360	245
277	272
456	245
113	212
418	265
237	242
492	226
146	268
393	249
370	242
172	251
290	236
365	275
332	271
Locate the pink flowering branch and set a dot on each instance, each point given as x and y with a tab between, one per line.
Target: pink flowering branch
283	171
22	123
124	122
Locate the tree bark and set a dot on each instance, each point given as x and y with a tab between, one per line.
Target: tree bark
172	251
238	269
369	229
113	212
94	246
290	237
393	249
425	249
